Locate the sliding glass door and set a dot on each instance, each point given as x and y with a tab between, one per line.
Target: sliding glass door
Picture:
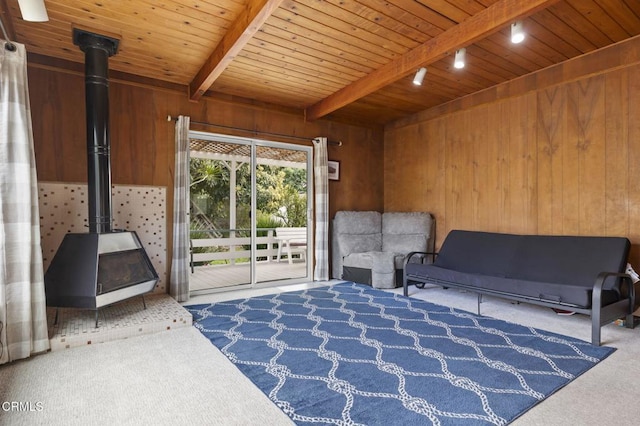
250	212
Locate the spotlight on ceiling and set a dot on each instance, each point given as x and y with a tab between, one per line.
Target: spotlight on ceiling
33	10
517	32
419	77
459	60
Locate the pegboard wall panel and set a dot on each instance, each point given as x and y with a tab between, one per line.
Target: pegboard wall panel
63	209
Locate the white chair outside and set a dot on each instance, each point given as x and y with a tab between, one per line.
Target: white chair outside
292	241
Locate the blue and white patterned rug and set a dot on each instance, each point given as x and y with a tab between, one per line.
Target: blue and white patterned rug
349	354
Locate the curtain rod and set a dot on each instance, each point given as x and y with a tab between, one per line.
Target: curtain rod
256	132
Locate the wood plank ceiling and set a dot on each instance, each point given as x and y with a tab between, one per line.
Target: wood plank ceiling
349	60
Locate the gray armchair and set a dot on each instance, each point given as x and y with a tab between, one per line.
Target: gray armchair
369	247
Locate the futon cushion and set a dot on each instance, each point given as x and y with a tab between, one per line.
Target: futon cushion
568	260
478	252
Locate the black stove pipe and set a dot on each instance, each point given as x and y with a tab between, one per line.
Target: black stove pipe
97	49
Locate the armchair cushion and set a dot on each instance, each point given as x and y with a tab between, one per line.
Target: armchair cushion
382	267
357	223
406	232
404	244
360	243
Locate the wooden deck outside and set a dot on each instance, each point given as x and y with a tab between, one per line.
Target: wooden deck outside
227	276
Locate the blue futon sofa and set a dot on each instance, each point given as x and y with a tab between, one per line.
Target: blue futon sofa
576	273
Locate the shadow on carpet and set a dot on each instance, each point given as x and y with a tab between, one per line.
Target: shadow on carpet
350	354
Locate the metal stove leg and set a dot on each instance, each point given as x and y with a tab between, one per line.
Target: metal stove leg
143	302
55	321
97	318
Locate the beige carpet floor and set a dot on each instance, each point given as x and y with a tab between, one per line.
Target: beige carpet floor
174	377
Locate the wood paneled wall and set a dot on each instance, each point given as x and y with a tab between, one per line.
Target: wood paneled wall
142	140
554	156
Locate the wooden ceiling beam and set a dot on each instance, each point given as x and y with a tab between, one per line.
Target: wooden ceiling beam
467	32
241	31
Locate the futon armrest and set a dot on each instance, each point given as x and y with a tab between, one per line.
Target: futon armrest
408	257
600	285
601	315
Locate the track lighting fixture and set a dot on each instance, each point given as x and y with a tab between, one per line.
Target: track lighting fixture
419	77
33	10
459	60
517	32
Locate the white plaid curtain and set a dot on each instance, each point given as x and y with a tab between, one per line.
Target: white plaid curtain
321	181
179	282
23	311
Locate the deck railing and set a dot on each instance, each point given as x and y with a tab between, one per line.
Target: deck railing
234	247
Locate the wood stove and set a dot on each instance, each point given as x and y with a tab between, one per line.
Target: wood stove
103	266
